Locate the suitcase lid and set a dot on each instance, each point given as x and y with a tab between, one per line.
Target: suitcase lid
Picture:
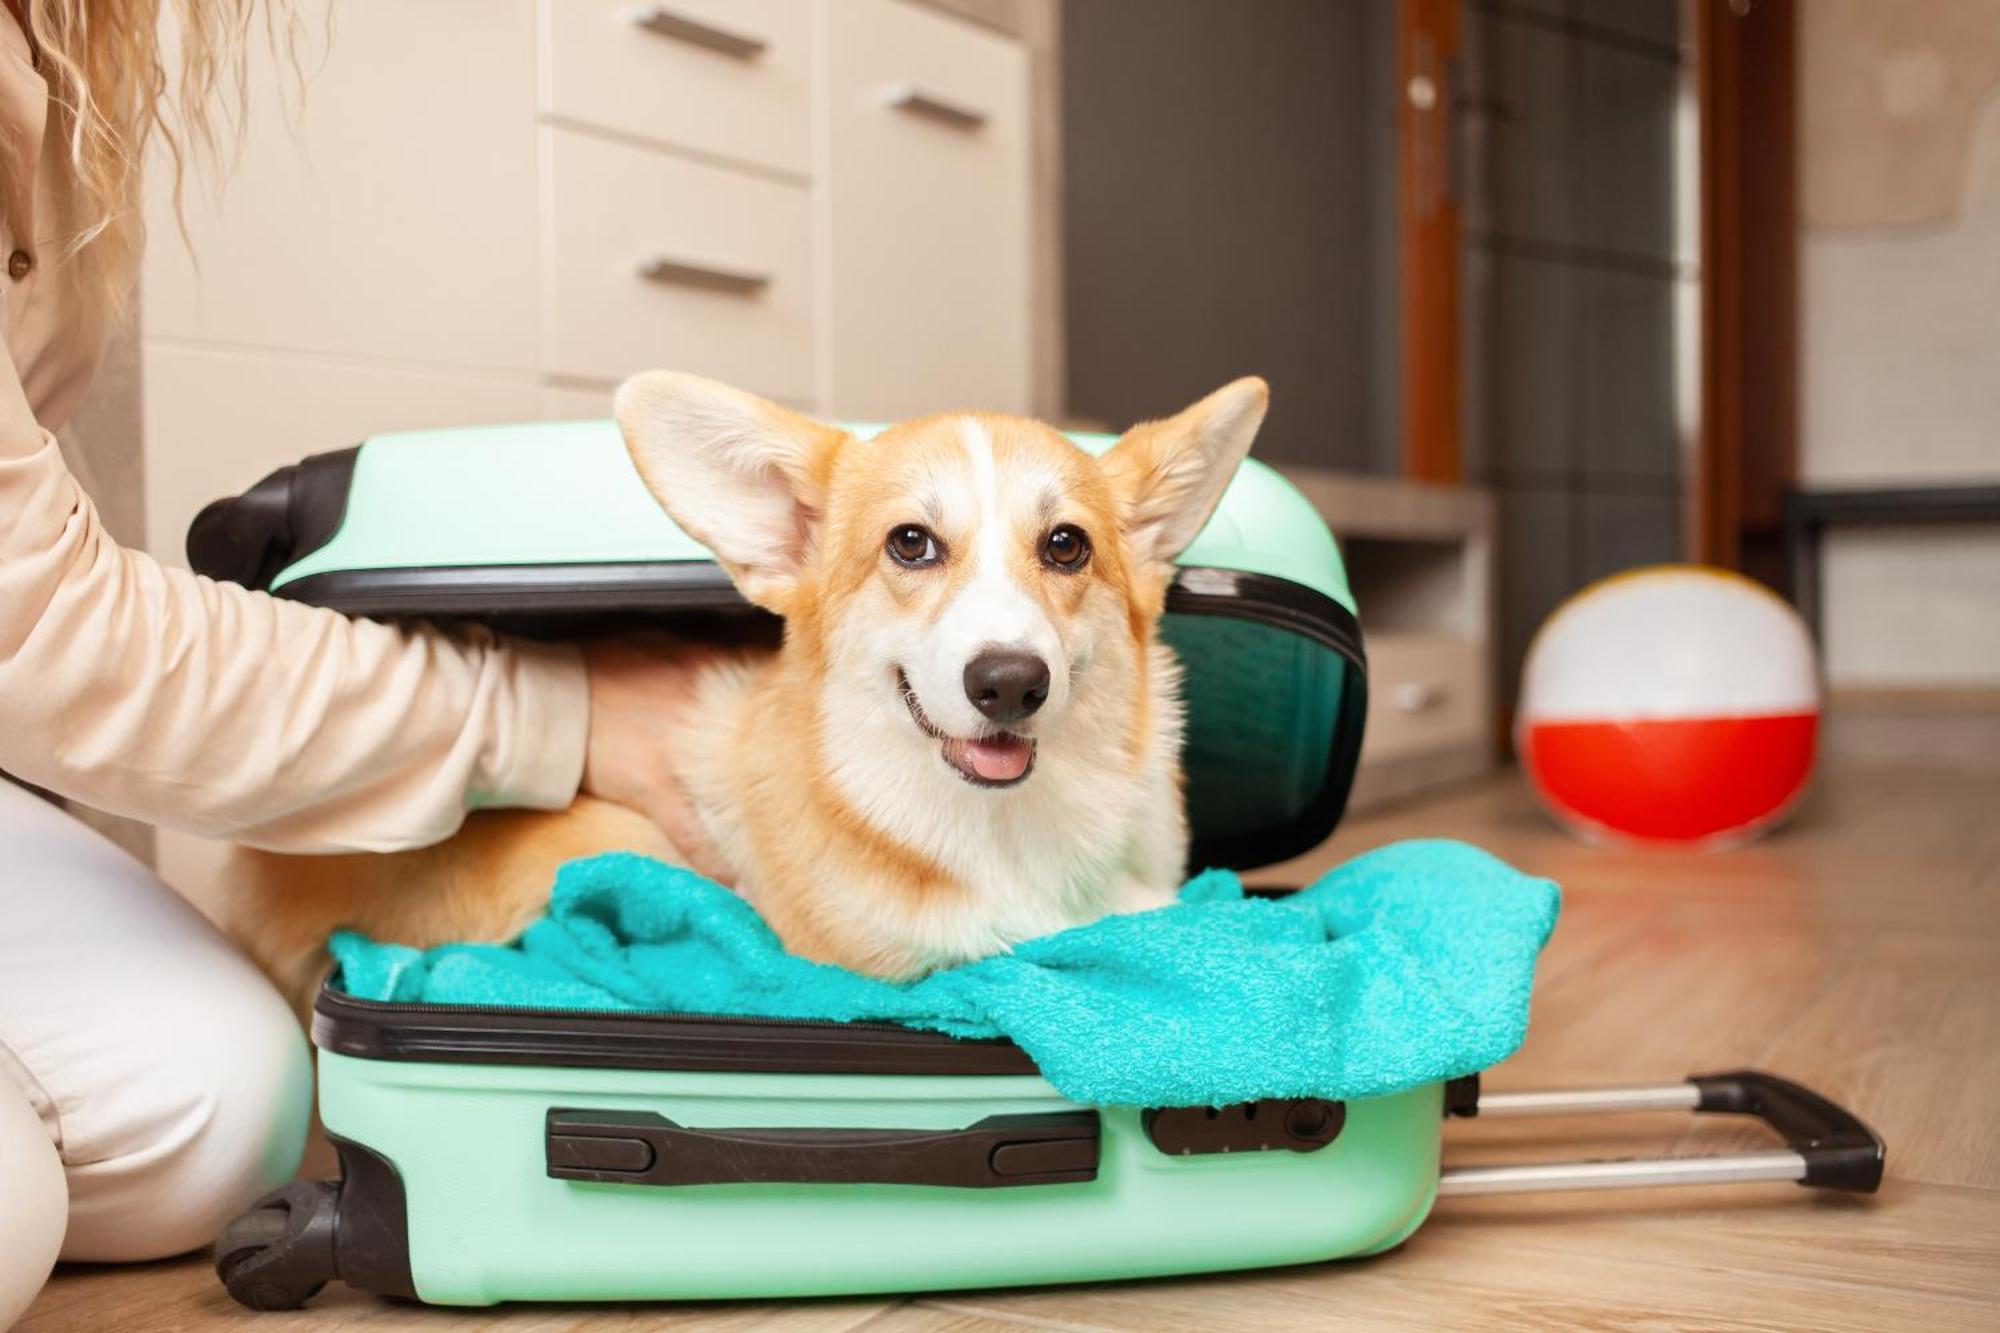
546	528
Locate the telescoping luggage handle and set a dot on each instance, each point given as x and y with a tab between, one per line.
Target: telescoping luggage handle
1826	1145
645	1148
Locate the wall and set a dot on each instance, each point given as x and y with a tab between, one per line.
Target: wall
1900	344
1230	209
1579	281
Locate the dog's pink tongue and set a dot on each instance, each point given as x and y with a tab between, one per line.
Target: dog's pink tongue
999	758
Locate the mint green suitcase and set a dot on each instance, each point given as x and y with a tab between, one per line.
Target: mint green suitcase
508	1155
504	1155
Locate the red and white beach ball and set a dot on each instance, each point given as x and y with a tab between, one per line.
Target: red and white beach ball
1673	703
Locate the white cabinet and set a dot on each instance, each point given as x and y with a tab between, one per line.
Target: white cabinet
1420	560
731	79
926	216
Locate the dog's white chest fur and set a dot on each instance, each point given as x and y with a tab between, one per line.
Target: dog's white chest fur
1033	872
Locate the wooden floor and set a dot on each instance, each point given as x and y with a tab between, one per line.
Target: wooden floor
1858	950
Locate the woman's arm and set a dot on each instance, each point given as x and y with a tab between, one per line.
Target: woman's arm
153	693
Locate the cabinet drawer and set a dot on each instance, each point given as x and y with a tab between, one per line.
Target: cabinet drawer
728	77
1424	692
654	261
928	212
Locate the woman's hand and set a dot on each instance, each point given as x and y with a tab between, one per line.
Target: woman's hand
640	691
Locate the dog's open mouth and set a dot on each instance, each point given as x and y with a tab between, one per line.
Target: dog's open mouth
999	760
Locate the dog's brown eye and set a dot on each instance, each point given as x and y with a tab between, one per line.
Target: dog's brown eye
912	544
1067	547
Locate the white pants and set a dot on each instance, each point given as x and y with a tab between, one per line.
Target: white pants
152	1083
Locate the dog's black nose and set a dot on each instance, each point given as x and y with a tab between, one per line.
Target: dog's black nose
1007	686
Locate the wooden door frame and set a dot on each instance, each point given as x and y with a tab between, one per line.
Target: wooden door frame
1427	218
1746	454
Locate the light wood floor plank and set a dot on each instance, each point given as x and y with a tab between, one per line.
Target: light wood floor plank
931	1319
1934	1240
1910	1037
184	1294
1456	1279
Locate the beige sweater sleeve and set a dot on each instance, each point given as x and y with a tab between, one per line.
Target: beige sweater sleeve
150	692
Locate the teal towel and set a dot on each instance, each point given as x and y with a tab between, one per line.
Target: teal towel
1405	966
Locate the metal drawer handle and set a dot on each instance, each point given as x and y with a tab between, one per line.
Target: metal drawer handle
1417	696
665	22
909	98
681	273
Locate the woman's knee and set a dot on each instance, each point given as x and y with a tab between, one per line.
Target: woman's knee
227	1104
34	1202
176	1082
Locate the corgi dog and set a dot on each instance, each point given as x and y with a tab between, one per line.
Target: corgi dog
969	736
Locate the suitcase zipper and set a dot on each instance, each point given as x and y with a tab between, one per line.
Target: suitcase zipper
632	1039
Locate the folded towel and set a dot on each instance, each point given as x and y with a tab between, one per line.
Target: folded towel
1405	966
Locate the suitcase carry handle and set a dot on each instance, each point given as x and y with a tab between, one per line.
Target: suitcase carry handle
1826	1145
645	1148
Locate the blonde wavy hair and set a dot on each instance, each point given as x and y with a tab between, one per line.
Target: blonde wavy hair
112	96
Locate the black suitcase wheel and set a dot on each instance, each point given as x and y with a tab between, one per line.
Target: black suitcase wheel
280	1253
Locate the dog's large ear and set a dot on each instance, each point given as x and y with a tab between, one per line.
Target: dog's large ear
1170	474
742	476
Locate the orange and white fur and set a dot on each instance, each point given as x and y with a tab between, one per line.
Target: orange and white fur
970	735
